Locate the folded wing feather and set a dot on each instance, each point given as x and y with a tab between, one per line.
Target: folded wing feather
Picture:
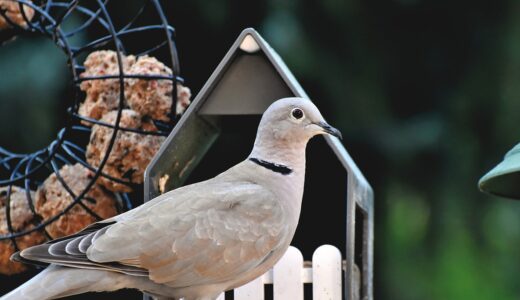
202	233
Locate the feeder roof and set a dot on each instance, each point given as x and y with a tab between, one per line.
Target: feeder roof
249	78
504	179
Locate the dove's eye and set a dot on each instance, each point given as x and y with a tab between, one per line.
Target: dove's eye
297	114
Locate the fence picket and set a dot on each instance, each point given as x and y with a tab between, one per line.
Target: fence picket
287	276
253	290
326	273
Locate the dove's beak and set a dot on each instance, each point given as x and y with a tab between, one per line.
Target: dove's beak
330	130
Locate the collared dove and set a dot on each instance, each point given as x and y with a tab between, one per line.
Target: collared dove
199	240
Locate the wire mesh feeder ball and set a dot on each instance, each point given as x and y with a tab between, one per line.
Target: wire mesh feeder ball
127	95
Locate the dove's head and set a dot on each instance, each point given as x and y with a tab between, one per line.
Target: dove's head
286	127
294	120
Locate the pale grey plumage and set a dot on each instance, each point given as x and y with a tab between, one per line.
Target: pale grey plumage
199	240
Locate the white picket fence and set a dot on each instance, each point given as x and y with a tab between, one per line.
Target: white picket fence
289	275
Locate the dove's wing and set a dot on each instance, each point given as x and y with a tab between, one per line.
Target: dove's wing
203	233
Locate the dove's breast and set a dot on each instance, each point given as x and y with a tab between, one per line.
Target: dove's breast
288	191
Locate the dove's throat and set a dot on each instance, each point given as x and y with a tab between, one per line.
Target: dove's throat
289	187
291	155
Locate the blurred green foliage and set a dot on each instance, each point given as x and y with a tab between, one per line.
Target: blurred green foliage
33	77
426	93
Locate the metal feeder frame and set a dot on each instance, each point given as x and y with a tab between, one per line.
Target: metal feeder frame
230	91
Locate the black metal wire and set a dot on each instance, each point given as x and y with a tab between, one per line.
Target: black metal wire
25	169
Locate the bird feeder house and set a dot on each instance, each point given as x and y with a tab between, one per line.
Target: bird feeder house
338	201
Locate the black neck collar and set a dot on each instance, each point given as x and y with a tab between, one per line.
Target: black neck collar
282	169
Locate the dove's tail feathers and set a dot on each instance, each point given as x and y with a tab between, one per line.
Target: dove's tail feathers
56	282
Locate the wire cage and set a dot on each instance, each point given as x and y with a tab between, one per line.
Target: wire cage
64	22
